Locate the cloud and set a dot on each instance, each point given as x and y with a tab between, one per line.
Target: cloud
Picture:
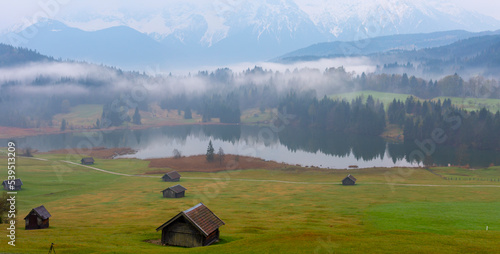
351	64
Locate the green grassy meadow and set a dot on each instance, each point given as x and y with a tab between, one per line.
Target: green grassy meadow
385	98
81	115
388	211
469	104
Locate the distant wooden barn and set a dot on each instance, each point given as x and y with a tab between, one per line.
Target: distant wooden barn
349	180
87	161
38	218
13	186
176	191
197	226
171	177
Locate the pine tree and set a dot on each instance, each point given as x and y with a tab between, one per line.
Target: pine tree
136	119
210	152
187	113
63	125
221	155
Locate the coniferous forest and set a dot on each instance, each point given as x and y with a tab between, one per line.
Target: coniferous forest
33	101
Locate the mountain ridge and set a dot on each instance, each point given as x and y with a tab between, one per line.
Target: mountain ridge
379	44
225	31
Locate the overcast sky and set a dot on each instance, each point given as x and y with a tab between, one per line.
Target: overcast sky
16	13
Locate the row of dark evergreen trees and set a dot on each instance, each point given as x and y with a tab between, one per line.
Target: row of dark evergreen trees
451	85
355	117
437	122
443	123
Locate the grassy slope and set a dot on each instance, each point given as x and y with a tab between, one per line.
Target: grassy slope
81	115
386	98
94	212
466	103
255	116
474	104
86	116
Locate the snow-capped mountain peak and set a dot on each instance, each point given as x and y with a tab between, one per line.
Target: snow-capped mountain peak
247	30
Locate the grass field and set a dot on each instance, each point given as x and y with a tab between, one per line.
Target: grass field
255	116
85	116
473	103
385	98
389	210
465	103
81	115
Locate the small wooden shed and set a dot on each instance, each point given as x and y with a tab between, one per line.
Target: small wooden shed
177	191
171	177
38	218
12	185
349	180
87	161
197	226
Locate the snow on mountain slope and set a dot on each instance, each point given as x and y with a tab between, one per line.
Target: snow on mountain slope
335	19
344	20
226	31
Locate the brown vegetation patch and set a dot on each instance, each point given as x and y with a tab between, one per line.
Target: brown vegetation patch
96	152
10	132
198	163
154	241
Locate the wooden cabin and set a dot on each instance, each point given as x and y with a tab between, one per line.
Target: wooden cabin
12	185
38	218
87	161
349	180
197	226
171	177
176	191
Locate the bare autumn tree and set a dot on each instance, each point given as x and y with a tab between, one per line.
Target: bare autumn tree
221	155
177	154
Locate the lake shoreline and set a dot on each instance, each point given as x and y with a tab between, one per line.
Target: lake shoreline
198	163
16	132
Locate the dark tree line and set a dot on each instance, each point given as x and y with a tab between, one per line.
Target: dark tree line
226	109
446	124
335	115
452	85
116	113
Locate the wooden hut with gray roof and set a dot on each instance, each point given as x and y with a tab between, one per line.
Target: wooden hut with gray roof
177	191
194	227
171	177
38	218
87	161
12	185
349	180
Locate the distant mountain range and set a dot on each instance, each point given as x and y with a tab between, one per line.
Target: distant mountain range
378	45
468	57
117	46
223	32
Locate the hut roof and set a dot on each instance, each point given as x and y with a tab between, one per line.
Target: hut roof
88	159
201	217
17	182
173	175
350	177
41	211
177	188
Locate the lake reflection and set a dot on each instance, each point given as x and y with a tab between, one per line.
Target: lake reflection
305	147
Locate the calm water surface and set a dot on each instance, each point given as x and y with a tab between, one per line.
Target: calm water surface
293	146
